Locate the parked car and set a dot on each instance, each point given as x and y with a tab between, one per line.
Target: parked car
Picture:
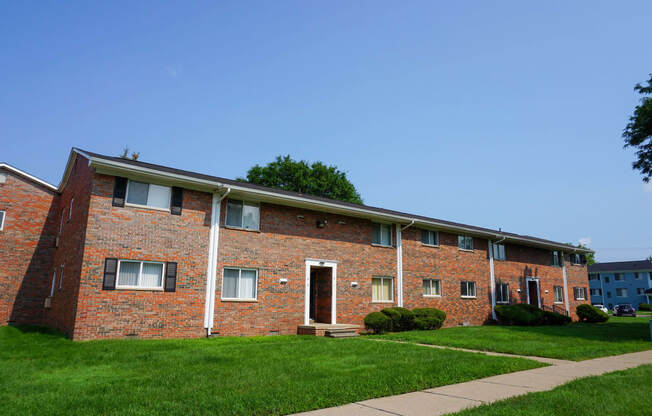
602	308
623	309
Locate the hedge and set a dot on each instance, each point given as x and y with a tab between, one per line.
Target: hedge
378	322
554	318
645	307
428	318
519	314
590	314
401	319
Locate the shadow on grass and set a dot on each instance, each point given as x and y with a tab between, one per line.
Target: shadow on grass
605	332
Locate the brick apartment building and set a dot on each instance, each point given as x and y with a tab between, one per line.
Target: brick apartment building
127	248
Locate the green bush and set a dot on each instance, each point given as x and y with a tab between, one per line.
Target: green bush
378	322
519	314
401	319
554	318
645	307
591	314
428	318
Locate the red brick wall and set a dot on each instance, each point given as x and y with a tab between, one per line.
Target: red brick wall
143	234
576	276
26	247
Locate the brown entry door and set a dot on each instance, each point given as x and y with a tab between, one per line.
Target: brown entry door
533	292
320	294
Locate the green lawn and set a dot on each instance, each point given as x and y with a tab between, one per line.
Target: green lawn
572	342
627	393
44	373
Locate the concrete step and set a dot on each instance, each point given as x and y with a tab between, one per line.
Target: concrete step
341	333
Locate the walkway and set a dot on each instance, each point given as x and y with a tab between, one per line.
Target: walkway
456	397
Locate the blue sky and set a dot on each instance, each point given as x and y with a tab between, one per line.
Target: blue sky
500	115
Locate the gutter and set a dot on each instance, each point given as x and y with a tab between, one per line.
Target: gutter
211	274
492	274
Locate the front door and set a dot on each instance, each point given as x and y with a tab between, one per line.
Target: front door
320	294
533	292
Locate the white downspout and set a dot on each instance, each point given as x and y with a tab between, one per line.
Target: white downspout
399	263
563	269
213	245
492	276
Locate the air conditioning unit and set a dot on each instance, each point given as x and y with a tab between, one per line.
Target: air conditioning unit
48	302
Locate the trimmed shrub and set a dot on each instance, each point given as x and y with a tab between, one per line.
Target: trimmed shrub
519	314
645	307
591	314
378	322
554	318
401	319
428	318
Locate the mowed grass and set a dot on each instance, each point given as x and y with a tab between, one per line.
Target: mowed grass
44	373
627	392
576	341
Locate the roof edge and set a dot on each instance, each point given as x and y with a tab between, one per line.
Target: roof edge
26	175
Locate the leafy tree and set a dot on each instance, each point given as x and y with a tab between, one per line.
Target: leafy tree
590	257
638	132
125	154
300	176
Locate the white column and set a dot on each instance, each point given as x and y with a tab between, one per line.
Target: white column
563	269
209	307
399	266
492	280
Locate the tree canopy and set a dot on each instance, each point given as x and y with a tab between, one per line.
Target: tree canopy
299	176
638	132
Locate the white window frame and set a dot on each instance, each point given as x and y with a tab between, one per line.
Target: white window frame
72	200
580	293
435	238
61	276
498	291
475	290
54	282
237	299
380	234
640	291
140	273
431	287
131	204
561	294
244	202
465	237
556	258
2	222
63	217
391	289
497	252
621	291
575	256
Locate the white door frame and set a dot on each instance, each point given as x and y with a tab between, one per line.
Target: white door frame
527	287
321	263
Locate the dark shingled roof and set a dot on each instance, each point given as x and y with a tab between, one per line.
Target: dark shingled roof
618	266
312	197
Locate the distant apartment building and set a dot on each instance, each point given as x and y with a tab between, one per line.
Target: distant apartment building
621	282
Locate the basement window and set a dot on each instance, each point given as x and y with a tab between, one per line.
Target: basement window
241	214
468	289
148	195
382	289
140	275
239	284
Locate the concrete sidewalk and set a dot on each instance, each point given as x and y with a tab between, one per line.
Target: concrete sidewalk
456	397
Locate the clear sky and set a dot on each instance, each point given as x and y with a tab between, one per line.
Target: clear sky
497	114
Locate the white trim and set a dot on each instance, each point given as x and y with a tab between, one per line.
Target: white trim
527	286
118	286
244	202
61	276
239	269
503	302
553	295
72	200
320	263
391	292
28	176
432	280
131	204
399	266
492	280
54	282
213	245
475	290
2	222
563	270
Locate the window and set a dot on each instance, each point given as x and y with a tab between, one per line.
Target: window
555	258
139	275
608	294
465	242
2	220
580	293
640	291
594	277
61	277
240	284
558	294
148	195
242	214
596	292
431	287
575	258
618	277
468	289
63	215
498	251
72	200
502	293
429	237
382	289
54	282
606	279
381	234
621	292
637	276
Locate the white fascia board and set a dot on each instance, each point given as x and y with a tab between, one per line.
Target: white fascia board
27	176
293	200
